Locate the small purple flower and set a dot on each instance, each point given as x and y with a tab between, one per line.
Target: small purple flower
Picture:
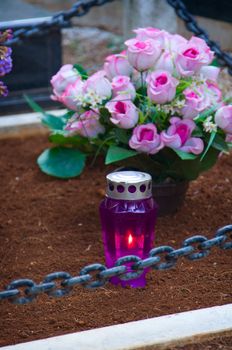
5	36
5	66
5	59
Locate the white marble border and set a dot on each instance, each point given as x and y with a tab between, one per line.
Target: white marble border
25	120
145	334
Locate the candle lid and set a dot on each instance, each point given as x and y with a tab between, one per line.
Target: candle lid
129	185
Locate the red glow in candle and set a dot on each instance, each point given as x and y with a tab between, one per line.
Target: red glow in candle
128	215
130	240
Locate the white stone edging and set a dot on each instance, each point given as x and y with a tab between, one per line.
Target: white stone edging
161	331
26	119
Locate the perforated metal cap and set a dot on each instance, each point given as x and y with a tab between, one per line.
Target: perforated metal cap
129	185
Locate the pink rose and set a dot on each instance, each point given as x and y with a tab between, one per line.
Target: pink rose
122	85
66	75
196	101
151	33
229	138
142	55
178	136
123	113
174	42
99	85
171	43
70	95
146	139
214	92
223	118
165	62
117	65
87	124
161	86
192	56
210	72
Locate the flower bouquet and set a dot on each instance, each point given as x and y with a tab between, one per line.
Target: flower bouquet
157	103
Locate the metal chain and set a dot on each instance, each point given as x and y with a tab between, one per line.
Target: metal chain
126	268
60	19
191	24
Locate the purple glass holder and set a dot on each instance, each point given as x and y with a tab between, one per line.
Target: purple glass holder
128	229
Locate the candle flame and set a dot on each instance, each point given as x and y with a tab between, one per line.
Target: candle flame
130	239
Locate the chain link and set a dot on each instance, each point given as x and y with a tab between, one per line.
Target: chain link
59	20
126	268
191	24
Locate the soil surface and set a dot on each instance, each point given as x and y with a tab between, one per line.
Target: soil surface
49	225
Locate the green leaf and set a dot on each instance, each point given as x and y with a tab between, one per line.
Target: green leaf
185	155
197	132
49	120
121	135
182	86
115	153
142	117
34	106
61	139
81	71
211	139
229	144
52	122
220	144
62	162
104	115
205	114
215	63
191	169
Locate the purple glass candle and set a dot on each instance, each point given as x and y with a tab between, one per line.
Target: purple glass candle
128	215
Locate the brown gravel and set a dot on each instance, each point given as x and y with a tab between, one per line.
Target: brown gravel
49	225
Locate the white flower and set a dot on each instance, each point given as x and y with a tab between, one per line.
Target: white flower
209	126
90	98
179	103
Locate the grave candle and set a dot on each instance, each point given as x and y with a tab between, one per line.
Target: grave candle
128	215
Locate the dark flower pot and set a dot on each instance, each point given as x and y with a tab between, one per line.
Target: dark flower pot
169	196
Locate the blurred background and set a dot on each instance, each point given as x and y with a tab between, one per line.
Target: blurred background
92	37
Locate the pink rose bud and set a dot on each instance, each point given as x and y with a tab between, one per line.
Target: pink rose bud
99	85
70	95
214	92
86	125
192	56
161	86
151	33
122	85
146	139
229	138
123	113
142	55
66	75
174	42
117	65
223	118
210	72
165	62
196	101
178	136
